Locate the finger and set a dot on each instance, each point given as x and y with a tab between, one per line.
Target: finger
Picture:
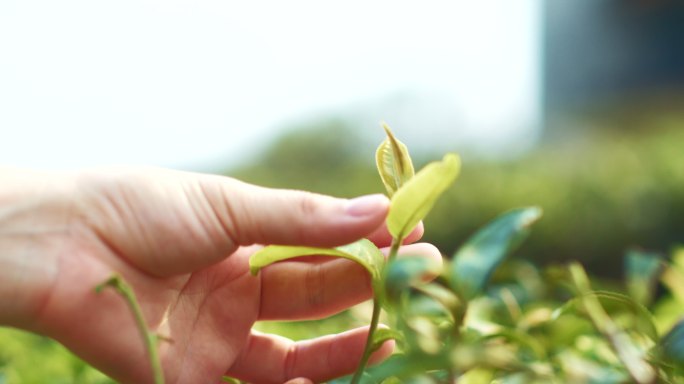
256	215
297	290
382	238
168	222
300	380
273	359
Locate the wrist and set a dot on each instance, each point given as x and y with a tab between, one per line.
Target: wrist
33	229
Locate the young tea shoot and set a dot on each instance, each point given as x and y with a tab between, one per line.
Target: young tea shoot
412	198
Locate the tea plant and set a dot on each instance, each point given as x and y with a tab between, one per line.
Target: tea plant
487	319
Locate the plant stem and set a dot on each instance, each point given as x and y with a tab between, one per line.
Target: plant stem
639	369
369	342
394	250
150	339
375	317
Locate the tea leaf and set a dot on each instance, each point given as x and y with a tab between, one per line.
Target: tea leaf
521	339
227	379
381	335
406	366
631	356
672	344
394	163
405	272
642	270
475	261
446	298
477	376
643	317
416	198
366	378
363	252
673	275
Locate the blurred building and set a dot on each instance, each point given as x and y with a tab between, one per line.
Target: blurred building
612	58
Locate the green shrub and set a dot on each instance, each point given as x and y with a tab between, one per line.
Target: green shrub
527	325
601	193
31	359
535	320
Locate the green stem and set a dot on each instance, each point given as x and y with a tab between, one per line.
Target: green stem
369	343
394	250
639	369
125	290
375	317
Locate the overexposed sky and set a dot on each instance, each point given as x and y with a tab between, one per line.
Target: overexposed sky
190	83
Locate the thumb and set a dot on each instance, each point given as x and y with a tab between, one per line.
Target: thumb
255	215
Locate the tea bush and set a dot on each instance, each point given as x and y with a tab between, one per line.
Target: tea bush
601	192
489	318
551	325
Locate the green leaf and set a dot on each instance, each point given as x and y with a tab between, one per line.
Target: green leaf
406	366
521	339
405	272
227	379
627	351
416	198
394	163
477	376
447	299
672	344
642	271
643	317
381	335
363	252
475	261
673	275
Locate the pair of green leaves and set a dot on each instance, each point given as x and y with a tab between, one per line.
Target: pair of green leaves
412	198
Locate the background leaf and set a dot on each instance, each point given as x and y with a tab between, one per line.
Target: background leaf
642	270
394	163
643	318
405	272
475	261
672	344
477	376
446	298
416	198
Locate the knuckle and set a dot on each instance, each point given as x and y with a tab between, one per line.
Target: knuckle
313	282
307	205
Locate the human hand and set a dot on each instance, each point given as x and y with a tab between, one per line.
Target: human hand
183	242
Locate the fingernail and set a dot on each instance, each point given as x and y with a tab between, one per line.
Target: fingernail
367	205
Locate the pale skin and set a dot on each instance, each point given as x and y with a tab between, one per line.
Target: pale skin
182	241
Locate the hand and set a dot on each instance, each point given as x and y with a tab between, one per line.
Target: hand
183	241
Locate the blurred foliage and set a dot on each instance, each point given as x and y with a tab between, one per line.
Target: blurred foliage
601	193
31	359
540	325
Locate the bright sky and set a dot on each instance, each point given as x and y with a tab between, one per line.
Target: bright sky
189	84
